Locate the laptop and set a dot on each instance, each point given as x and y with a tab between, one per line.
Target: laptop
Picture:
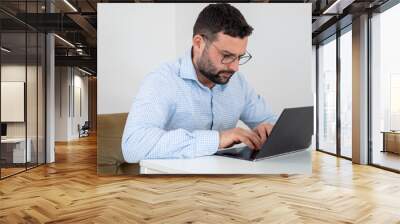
291	133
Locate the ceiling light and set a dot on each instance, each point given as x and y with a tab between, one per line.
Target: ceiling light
79	51
65	41
70	5
337	7
331	7
84	71
5	50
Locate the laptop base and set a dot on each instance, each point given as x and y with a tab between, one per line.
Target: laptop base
244	153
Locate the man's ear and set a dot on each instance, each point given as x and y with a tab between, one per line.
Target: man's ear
198	42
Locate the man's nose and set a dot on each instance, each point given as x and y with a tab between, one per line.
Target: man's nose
234	66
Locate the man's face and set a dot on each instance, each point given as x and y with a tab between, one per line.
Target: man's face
210	63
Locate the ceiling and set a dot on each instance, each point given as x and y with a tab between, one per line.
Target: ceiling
76	22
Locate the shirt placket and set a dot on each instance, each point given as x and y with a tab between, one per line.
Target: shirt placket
212	96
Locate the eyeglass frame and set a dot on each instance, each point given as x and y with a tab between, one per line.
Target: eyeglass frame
224	56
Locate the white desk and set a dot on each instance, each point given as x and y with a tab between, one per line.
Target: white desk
295	163
19	155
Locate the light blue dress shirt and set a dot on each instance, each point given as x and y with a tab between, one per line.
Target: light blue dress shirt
176	116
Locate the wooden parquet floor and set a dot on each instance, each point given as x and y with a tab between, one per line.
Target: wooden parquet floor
69	191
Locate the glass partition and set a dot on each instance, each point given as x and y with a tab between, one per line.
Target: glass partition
13	109
22	63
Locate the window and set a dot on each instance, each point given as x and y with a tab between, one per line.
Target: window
385	89
346	94
327	96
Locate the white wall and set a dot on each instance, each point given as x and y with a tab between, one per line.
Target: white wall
134	39
61	103
68	82
80	84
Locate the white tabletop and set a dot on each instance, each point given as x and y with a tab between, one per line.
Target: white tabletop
294	163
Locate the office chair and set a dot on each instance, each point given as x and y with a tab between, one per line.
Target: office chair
84	130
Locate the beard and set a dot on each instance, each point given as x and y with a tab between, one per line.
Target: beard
209	70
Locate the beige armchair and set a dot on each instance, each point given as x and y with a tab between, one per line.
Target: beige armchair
109	153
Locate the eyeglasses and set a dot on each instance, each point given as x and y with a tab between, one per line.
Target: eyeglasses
229	58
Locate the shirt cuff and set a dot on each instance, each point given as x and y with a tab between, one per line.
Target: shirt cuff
207	142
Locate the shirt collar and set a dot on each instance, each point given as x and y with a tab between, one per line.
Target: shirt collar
187	70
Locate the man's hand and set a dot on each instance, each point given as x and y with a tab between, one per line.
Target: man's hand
237	135
263	130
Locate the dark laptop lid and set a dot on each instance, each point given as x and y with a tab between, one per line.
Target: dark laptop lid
292	132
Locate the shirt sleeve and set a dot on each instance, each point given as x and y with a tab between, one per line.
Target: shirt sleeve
145	136
256	109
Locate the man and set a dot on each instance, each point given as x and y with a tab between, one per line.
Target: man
190	108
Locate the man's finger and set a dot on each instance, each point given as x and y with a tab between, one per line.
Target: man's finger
254	138
269	129
262	132
247	141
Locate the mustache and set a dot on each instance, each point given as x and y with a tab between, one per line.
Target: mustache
226	71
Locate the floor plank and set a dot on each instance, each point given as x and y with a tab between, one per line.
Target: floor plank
69	191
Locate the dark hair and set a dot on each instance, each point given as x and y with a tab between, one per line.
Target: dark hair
221	17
